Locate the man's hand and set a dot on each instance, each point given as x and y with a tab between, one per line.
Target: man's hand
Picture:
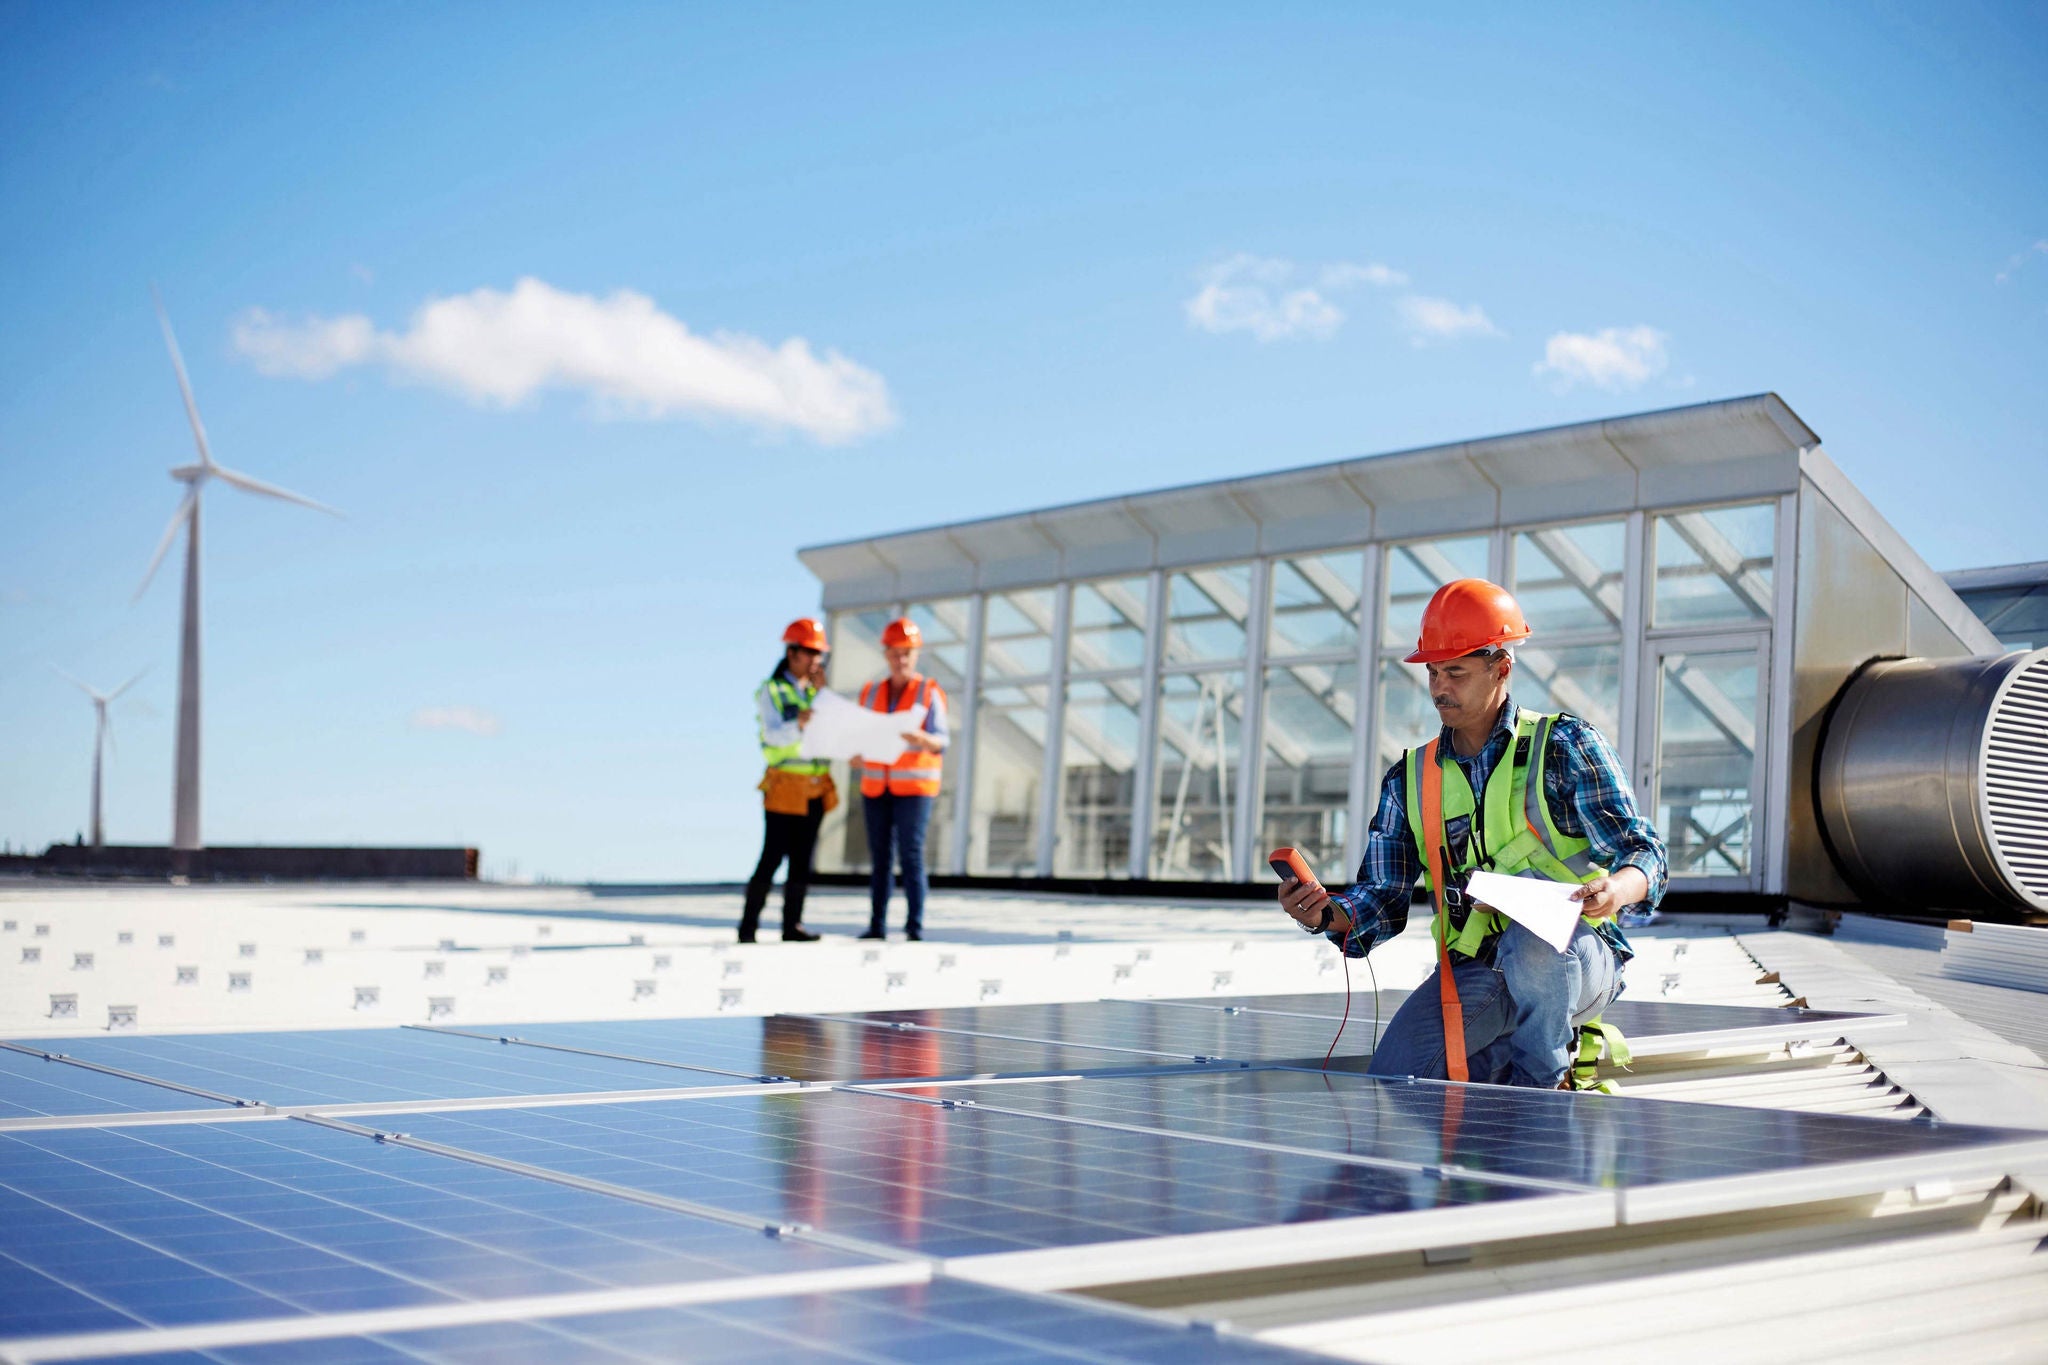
803	718
1605	896
856	763
918	739
1304	901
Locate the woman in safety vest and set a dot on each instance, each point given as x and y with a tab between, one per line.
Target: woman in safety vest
1509	791
797	791
897	797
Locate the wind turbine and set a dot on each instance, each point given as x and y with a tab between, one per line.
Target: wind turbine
185	807
100	702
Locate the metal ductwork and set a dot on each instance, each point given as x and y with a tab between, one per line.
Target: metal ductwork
1932	782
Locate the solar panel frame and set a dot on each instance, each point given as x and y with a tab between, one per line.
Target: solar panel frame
37	1085
941	1319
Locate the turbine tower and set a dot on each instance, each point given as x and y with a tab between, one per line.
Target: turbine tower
185	806
100	702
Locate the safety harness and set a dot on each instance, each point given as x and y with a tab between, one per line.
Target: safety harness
1456	835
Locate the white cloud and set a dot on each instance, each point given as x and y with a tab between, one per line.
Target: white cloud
473	719
628	356
1346	274
2019	260
1430	321
1260	295
1612	358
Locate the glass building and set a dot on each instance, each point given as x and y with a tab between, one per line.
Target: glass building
1167	684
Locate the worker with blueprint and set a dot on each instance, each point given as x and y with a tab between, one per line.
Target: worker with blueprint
1523	827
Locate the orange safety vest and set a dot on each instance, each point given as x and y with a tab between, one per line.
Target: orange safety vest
916	773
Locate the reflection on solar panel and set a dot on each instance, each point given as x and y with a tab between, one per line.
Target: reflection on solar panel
915	1324
358	1065
811	1048
1752	1157
31	1086
938	1181
1149	1030
1652	1026
204	1222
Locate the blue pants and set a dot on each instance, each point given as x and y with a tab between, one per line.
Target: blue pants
900	820
1522	1010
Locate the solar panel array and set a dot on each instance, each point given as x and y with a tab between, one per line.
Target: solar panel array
897	1185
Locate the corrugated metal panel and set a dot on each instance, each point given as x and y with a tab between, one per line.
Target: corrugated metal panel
1912	1298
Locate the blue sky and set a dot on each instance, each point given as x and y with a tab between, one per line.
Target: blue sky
886	266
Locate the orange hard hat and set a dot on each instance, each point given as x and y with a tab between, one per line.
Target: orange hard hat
1466	616
805	633
902	633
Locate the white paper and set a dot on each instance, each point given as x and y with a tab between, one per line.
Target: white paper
840	728
1542	906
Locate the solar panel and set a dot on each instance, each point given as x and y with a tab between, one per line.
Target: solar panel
1652	1026
944	1320
813	1048
1135	1028
940	1181
364	1065
193	1223
33	1086
1664	1157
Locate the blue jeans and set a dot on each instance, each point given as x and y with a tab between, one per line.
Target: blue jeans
1522	1003
900	820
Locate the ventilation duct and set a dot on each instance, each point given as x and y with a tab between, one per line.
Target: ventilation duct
1933	782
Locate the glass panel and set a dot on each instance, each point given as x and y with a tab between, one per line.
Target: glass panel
1569	577
1415	571
1582	679
1706	760
1715	567
1098	778
1017	637
1205	611
1311	712
1108	626
1406	717
1315	603
1195	778
944	626
856	640
1009	752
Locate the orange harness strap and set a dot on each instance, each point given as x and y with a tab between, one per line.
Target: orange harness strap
1447	986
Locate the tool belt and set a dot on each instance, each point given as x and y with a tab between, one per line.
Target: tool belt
787	793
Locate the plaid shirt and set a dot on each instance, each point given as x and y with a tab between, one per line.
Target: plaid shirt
1589	798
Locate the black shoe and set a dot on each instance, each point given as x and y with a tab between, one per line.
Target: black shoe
800	935
874	933
746	937
914	936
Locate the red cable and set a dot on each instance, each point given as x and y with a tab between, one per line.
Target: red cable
1346	959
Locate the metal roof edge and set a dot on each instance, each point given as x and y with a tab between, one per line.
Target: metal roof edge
1797	434
1999	576
1829	480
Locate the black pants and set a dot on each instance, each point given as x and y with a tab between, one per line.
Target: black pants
792	837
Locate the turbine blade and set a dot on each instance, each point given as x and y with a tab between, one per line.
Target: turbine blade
126	685
184	384
268	490
75	682
178	518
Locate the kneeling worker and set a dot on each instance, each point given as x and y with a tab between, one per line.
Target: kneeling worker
1501	790
797	791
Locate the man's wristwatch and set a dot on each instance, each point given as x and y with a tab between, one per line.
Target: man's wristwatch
1324	926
